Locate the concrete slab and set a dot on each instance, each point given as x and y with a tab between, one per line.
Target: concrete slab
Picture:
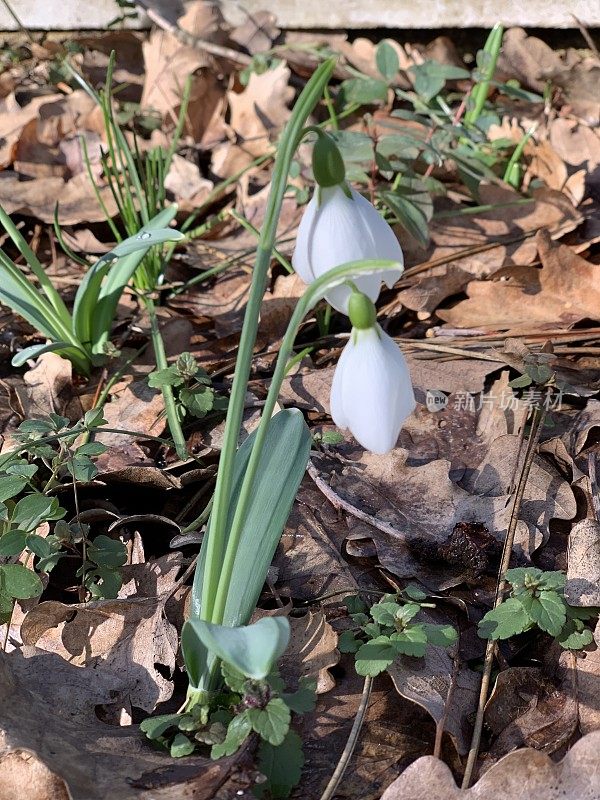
335	14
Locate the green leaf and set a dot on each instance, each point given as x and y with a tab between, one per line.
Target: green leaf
13	543
107	552
154	727
364	91
198	401
33	509
181	746
374	656
407	612
521	382
104	584
411	641
387	61
385	613
237	732
553	580
164	377
518	575
409	215
347	642
547	610
508	619
251	649
233	677
19	582
281	765
35	350
303	700
272	722
414	592
572	638
440	635
82	468
355	605
431	76
40	546
281	469
91	449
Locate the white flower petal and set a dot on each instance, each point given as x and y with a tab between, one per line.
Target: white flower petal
343	229
301	259
373	393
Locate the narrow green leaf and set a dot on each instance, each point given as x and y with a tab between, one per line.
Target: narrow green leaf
280	472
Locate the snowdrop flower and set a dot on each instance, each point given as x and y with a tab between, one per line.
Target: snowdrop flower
371	393
340	225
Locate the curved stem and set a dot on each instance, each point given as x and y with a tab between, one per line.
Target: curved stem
288	144
309	299
348	751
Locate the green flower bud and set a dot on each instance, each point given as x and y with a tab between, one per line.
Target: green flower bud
327	162
361	311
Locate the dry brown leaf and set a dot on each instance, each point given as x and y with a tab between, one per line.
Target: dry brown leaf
186	183
48	387
37	198
418	507
168	63
454	234
312	651
526	710
428	680
137	408
566	289
308	560
128	638
575	143
525	774
13	118
583	572
581	673
256	115
46	701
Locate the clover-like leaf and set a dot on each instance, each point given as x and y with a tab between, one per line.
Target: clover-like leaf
547	610
504	621
271	722
375	656
440	635
281	765
238	731
385	613
411	641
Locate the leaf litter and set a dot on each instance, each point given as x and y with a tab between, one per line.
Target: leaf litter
435	510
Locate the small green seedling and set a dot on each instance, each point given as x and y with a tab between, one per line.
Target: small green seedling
253	699
537	600
390	629
194	394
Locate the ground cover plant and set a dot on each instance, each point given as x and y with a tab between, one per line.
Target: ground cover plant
298	478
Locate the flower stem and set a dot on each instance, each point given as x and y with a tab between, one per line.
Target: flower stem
167	391
285	152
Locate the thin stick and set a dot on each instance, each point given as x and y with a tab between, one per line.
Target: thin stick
348	751
539	415
338	502
189	39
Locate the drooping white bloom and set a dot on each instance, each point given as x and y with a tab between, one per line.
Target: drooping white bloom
336	229
372	393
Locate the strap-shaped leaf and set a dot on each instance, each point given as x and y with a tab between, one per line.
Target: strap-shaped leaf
95	303
34	265
252	649
64	348
282	466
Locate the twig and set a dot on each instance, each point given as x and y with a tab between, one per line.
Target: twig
338	502
586	35
189	39
539	415
342	764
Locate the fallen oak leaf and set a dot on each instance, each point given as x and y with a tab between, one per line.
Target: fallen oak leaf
566	289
